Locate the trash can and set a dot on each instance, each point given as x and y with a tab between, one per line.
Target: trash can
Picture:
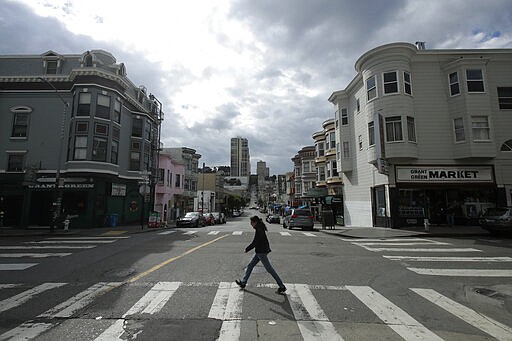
114	218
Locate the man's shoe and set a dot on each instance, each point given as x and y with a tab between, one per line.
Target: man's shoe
281	291
240	284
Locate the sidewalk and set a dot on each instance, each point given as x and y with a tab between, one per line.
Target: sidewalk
412	231
93	231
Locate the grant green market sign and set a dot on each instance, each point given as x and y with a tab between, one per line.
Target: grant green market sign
444	174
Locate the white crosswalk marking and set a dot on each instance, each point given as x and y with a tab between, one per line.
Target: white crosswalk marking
309	234
214	233
482	322
167	232
151	303
33	255
285	233
463	272
37	247
397	319
463	249
449	259
16	266
311	320
89	238
83	241
190	232
237	233
23	297
227	306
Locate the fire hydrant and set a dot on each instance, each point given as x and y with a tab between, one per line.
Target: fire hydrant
426	224
66	224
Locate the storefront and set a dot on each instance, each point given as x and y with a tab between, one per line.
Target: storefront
442	194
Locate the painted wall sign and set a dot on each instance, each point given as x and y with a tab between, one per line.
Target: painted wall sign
444	174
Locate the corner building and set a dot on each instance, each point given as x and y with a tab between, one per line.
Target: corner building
425	132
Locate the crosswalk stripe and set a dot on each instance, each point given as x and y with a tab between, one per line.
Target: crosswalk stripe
26	331
449	259
285	233
311	319
237	233
385	239
89	238
167	232
33	255
422	249
16	266
151	303
38	247
463	272
482	322
397	319
227	306
400	244
190	232
213	233
84	241
23	297
309	234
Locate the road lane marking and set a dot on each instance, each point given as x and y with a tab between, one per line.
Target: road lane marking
33	255
463	272
38	247
152	302
449	259
227	307
480	321
379	249
311	319
88	237
23	297
158	266
394	317
16	266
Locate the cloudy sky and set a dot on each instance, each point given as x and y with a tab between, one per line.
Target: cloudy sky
260	69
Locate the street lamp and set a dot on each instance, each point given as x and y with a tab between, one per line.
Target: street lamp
58	192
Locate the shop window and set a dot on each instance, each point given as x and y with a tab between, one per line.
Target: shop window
99	149
114	151
15	162
507	146
371	134
453	80
390	83
371	88
505	97
458	127
20	125
137	127
480	128
407	83
84	104
475	80
80	152
394	129
103	106
76	202
411	129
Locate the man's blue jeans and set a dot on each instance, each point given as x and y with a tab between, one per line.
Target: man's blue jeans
266	263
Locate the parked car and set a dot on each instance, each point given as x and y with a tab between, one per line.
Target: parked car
237	213
191	219
273	218
299	217
497	219
210	219
220	218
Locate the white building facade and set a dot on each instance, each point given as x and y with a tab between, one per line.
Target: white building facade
424	132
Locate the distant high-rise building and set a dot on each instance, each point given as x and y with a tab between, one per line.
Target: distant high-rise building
262	169
240	158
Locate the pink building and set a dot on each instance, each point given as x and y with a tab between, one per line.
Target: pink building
169	200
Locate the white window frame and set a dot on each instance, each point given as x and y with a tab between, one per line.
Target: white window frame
480	126
373	88
475	80
360	142
395	82
411	129
371	134
346	149
406	75
458	130
450	84
395	126
80	149
344	116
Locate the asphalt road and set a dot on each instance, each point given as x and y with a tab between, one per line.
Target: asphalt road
178	284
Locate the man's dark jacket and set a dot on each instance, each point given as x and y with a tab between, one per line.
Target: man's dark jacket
260	241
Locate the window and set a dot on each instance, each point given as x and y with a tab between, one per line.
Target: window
507	146
371	89
136	127
346	150
117	111
334	167
177	184
344	117
15	162
360	142
371	134
505	98
480	128
321	173
411	129
115	133
99	149
394	129
51	67
147	131
454	83
332	140
103	106
101	129
407	83
320	149
161	175
390	82
114	151
458	127
358	105
80	152
134	160
306	167
81	128
20	125
475	80
84	104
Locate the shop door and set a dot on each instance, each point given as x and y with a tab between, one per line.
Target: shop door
379	207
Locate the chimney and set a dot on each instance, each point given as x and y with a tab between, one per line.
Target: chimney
420	45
